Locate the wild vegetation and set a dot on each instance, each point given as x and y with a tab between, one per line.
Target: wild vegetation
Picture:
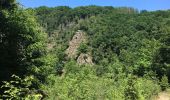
129	52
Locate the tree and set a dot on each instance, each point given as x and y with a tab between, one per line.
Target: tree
164	83
8	4
22	42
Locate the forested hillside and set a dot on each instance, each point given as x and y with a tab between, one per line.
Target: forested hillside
83	53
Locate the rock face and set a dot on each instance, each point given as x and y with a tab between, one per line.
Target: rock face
77	39
84	59
74	44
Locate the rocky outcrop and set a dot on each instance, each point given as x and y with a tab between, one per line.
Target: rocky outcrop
84	59
77	39
50	46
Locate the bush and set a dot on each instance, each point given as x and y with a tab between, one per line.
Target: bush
131	92
147	88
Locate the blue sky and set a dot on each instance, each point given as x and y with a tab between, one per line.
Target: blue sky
150	5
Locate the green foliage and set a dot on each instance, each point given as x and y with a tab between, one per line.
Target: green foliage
118	46
8	4
131	93
19	89
23	45
161	63
82	85
141	88
147	88
83	48
121	41
63	16
164	83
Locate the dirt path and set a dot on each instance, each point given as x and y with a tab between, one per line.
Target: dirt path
163	96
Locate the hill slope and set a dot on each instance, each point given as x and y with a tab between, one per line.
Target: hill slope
90	52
